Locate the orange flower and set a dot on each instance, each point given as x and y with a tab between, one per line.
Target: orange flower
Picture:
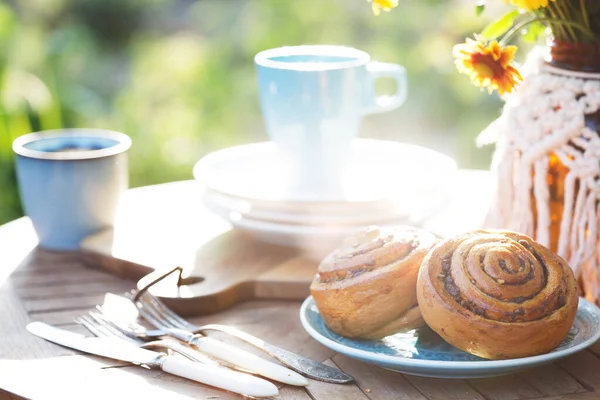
488	65
529	5
385	5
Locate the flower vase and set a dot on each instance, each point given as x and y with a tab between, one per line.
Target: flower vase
547	159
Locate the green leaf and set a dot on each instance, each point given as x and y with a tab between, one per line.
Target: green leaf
500	26
533	31
6	21
479	9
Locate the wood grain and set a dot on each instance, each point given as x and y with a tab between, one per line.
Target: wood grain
61	277
44	262
233	266
322	390
56	287
15	342
60	318
445	389
283	330
551	380
8	396
381	384
578	396
292	393
595	348
585	368
62	303
88	288
509	387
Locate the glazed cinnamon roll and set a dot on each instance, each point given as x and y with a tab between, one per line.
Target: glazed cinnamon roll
367	288
497	294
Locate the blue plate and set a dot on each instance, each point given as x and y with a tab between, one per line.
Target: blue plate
422	352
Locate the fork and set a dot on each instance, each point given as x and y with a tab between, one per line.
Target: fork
100	325
155	310
117	308
146	338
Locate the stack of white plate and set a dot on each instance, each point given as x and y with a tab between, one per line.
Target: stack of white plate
386	183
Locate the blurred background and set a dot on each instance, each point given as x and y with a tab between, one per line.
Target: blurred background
178	75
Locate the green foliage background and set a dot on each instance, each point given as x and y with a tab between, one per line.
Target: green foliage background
178	75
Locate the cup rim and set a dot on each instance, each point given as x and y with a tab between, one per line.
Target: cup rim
263	58
123	144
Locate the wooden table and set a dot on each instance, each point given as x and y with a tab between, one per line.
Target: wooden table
56	287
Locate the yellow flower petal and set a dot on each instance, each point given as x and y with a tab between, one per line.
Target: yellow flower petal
529	5
385	5
488	65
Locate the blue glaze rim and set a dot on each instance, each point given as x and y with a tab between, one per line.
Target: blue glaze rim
359	57
388	360
123	143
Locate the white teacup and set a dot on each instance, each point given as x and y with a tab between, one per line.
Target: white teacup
313	99
70	182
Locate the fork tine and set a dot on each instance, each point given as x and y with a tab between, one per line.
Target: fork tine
125	330
175	319
149	311
131	328
94	323
101	326
94	319
153	316
91	326
111	328
128	328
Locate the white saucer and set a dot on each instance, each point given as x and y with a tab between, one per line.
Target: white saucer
316	242
231	208
386	183
377	171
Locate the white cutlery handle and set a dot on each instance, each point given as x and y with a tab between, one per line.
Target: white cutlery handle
219	377
247	361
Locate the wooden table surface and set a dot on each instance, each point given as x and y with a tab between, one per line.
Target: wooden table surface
56	287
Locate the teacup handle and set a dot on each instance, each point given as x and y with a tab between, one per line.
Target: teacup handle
377	104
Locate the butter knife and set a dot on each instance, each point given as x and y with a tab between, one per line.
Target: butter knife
118	349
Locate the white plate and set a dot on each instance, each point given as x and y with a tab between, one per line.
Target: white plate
233	210
384	180
315	241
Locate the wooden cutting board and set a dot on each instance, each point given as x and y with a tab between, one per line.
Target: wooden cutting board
161	227
164	226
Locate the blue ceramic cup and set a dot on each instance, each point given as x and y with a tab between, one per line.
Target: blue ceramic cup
70	182
313	99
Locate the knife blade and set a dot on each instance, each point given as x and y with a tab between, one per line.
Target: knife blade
120	350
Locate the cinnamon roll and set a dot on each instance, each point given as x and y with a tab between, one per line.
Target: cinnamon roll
366	289
497	294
